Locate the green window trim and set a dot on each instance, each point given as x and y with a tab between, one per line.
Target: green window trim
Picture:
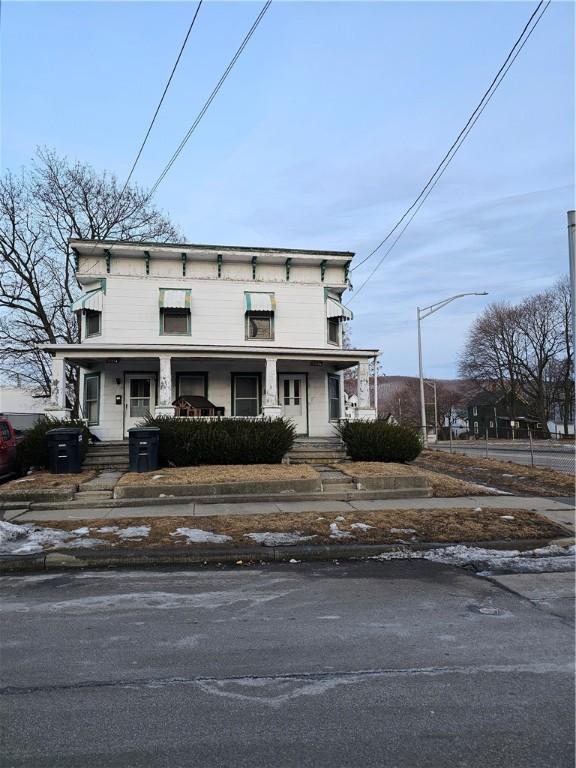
88	377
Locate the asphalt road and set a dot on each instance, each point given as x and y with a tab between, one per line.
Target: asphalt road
560	458
396	664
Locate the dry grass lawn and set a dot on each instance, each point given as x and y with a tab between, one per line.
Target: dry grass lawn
45	481
220	473
513	478
417	525
443	486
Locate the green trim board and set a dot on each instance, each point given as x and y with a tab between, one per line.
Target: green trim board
253	262
108	256
147	261
219	262
163	298
184	257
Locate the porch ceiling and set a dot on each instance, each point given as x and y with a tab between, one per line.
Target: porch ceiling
84	353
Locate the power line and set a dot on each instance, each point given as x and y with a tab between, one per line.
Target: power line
211	98
465	130
134	164
439	175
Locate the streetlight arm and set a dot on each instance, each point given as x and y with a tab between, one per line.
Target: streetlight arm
427	311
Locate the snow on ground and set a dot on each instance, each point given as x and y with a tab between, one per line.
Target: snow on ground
495	490
28	539
336	533
402	530
133	532
552	558
361	526
198	536
277	539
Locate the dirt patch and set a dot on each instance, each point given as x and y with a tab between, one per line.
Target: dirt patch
220	473
373	527
443	486
506	476
40	481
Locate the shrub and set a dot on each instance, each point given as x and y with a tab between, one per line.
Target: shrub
379	441
187	442
32	451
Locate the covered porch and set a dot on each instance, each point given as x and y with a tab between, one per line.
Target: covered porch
120	386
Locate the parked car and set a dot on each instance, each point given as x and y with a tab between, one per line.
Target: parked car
8	440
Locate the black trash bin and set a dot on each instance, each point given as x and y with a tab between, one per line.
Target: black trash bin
143	445
64	450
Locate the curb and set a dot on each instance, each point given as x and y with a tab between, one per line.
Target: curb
139	558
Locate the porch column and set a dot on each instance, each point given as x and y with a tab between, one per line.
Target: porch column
270	407
165	407
57	408
364	410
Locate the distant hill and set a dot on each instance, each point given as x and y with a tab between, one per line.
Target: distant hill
389	387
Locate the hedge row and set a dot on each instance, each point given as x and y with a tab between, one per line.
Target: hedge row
187	442
379	441
32	450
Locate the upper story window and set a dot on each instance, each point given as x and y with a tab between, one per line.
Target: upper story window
92	323
174	307
259	315
336	313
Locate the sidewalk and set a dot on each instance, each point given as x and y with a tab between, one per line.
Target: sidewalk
559	510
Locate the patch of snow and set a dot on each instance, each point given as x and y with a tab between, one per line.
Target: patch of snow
81	531
494	490
505	474
27	539
11	532
294	561
277	539
107	529
477	509
133	532
157	477
362	526
552	558
24	480
340	519
198	536
402	530
320	518
336	533
507	517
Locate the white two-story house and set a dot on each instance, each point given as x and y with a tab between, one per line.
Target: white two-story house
236	331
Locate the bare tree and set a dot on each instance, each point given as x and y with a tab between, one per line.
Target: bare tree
490	355
40	210
408	401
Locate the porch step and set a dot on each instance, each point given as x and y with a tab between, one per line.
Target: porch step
110	455
316	457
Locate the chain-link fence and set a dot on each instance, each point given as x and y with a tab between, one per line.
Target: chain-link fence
523	449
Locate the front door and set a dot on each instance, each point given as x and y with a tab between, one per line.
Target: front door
294	400
139	398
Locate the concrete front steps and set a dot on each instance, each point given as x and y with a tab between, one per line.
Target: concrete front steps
100	488
107	456
317	450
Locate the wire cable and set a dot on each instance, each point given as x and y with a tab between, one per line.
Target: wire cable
439	175
210	99
457	142
135	163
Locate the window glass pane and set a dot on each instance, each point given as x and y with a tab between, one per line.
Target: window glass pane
334	386
139	387
246	407
92	322
4	431
91	387
139	406
333	334
259	326
191	385
175	320
287	388
296	388
246	386
92	412
334	397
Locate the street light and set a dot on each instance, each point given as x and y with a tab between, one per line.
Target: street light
421	314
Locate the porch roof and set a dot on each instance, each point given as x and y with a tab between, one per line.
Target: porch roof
90	352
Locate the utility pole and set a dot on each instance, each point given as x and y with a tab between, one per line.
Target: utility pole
572	259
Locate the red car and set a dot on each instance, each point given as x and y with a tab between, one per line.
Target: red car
8	461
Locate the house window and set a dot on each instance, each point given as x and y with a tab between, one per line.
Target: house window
475	427
175	322
192	384
92	322
475	411
491	423
334	330
246	394
334	397
259	325
92	398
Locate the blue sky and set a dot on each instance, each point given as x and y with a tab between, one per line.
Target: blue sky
331	122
